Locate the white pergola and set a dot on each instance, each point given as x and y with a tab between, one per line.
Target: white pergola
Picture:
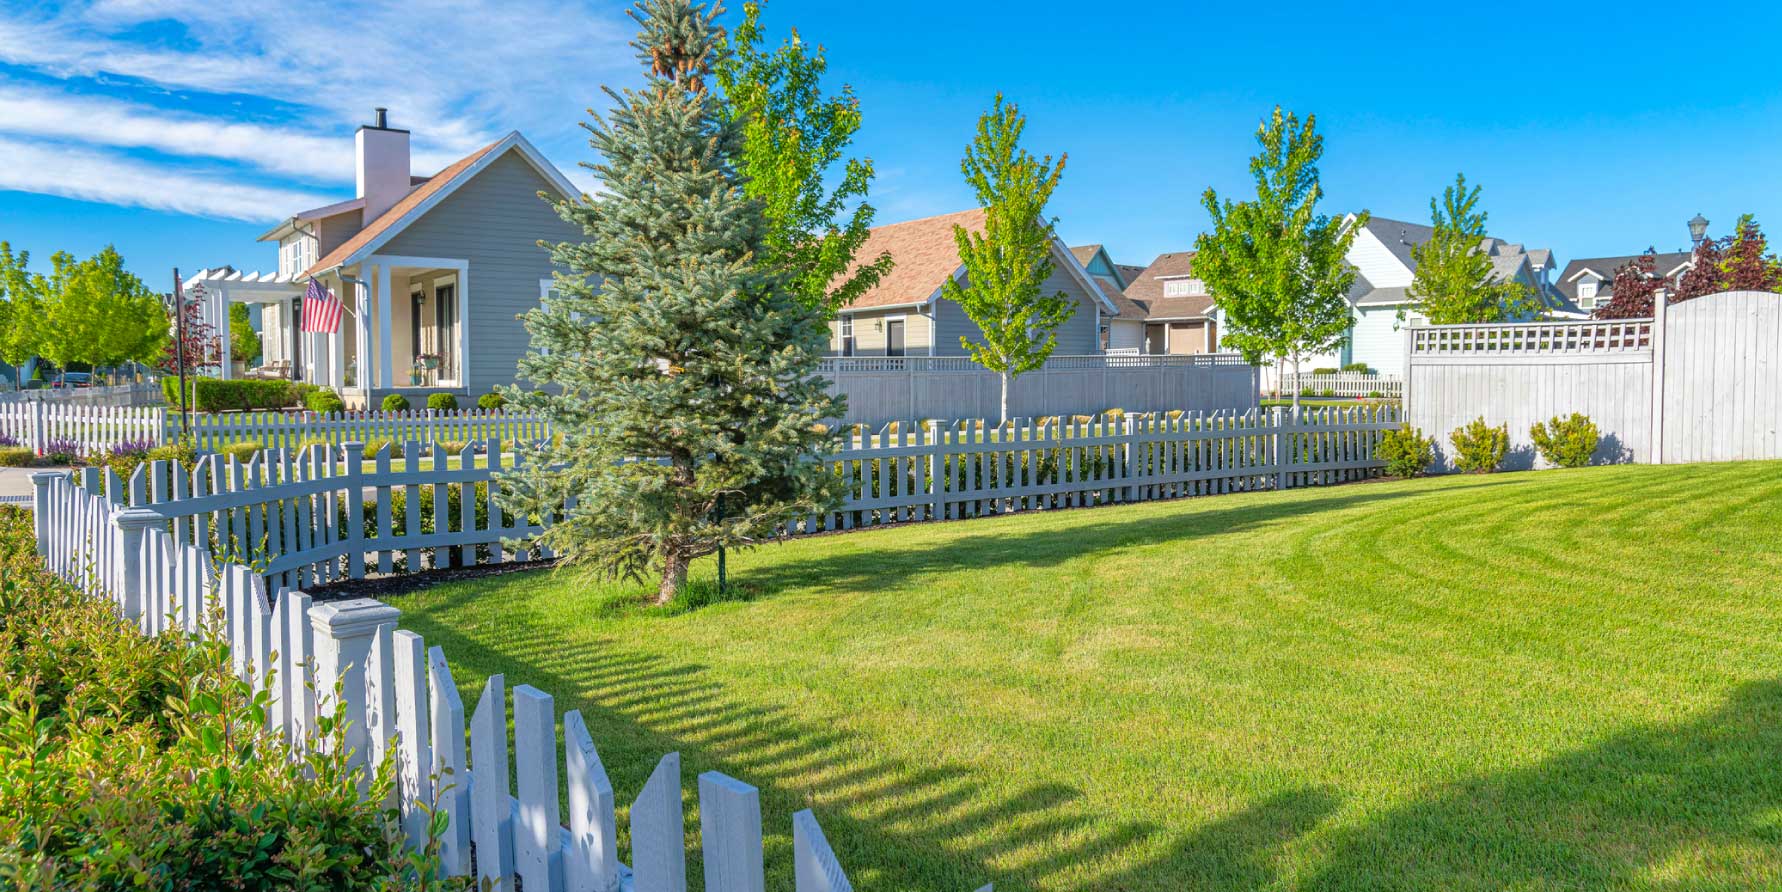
224	286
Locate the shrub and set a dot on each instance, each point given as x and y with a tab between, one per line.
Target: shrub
122	458
395	402
1478	447
139	762
181	452
1328	392
1324	371
1375	395
1359	367
491	402
326	401
300	391
235	395
242	452
16	456
442	402
1566	442
1406	452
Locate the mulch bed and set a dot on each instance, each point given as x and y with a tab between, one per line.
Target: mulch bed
403	583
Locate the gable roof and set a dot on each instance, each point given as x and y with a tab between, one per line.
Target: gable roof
1147	289
423	196
923	255
1085	253
1605	267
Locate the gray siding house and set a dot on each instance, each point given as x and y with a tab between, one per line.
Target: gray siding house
433	272
905	315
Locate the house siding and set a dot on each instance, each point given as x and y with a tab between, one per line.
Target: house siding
1078	336
1378	339
869	331
1126	334
494	222
1377	264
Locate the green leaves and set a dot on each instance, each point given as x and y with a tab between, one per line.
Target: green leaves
1455	282
1007	264
1274	264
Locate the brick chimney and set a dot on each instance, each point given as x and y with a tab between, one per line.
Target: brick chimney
382	172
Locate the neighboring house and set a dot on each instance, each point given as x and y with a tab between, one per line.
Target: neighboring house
904	315
433	269
1385	268
1173	311
1589	283
1124	331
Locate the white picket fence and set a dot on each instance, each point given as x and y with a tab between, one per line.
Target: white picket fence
1347	384
940	470
400	702
89	429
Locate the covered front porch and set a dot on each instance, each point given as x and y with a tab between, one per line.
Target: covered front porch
401	330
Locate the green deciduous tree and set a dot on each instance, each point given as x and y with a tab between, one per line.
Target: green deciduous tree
678	368
1006	265
244	342
21	309
793	135
1454	282
102	314
1274	264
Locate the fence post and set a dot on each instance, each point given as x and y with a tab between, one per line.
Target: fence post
41	515
730	833
937	468
1656	446
344	634
1281	419
39	423
131	524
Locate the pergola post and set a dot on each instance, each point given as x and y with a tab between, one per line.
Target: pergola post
220	308
386	376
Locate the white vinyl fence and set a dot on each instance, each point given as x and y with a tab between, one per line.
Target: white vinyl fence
142	394
1698	382
400	702
53	427
1355	384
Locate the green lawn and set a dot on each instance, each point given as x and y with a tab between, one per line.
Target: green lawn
1552	680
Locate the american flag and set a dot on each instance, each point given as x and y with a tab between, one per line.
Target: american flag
321	312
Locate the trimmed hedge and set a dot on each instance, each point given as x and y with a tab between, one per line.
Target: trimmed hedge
491	401
234	395
325	402
16	457
442	402
142	762
395	402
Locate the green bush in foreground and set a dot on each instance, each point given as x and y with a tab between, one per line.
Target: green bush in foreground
442	402
491	401
136	762
325	402
1566	442
395	402
16	457
1406	451
1478	447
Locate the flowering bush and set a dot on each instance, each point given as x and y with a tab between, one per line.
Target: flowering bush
62	452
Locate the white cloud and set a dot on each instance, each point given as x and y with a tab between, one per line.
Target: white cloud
457	74
113	179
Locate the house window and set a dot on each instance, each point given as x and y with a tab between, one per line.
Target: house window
1587	293
847	336
1184	288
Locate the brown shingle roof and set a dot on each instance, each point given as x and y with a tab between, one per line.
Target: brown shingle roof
408	203
1147	289
923	253
1084	253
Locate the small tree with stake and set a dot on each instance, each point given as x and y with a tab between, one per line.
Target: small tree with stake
1006	265
678	366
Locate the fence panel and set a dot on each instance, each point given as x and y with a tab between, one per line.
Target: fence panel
1346	384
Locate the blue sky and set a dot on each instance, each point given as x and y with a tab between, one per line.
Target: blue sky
180	129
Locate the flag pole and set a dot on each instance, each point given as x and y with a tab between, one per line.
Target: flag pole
179	324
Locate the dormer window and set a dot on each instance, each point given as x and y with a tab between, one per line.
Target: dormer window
1586	292
1184	288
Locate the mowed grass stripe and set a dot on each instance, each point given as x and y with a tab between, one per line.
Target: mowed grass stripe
1552	680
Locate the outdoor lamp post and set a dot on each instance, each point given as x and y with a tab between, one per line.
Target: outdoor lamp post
1698	229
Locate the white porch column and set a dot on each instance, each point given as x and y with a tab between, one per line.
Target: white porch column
381	296
362	337
220	307
337	345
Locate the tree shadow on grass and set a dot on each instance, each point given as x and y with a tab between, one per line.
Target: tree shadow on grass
1695	804
988	543
894	825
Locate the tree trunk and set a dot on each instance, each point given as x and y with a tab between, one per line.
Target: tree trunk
1296	387
674	574
1005	397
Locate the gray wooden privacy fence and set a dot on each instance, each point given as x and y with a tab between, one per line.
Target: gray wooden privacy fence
501	796
1700	381
89	429
881	389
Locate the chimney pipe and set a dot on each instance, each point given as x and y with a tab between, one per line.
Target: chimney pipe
381	120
